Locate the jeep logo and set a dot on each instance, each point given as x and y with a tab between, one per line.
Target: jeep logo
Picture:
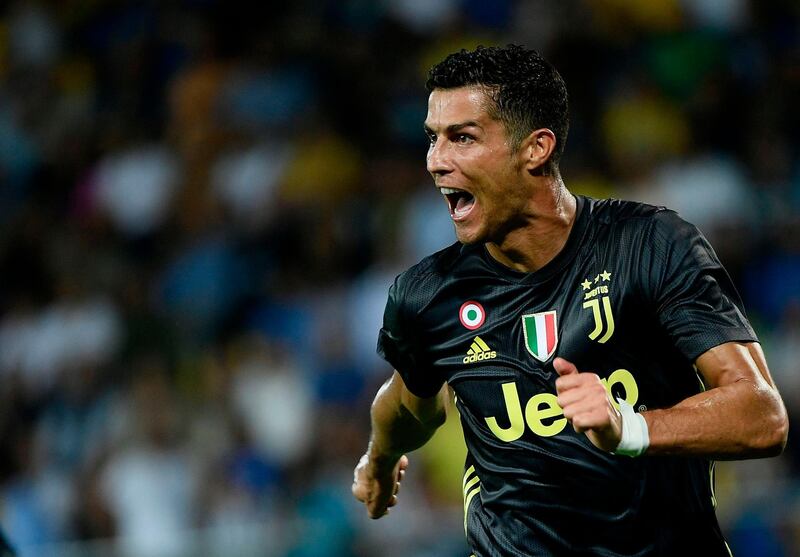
544	406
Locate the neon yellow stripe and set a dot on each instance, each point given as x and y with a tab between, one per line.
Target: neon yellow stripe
483	345
469	471
472	350
469	493
467	501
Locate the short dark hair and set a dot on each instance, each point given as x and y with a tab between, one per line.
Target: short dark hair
527	92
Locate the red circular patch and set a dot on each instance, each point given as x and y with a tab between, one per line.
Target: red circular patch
472	315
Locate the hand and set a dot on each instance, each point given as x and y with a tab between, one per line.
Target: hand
587	405
378	489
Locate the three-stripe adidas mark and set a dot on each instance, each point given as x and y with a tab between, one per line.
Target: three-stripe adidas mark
479	351
471	486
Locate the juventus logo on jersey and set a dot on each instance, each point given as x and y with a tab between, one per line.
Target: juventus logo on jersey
596	297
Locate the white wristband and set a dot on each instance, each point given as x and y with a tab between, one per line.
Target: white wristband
635	437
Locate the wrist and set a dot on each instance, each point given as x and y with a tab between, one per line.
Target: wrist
380	459
635	438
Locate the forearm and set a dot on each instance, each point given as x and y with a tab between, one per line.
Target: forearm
401	425
739	420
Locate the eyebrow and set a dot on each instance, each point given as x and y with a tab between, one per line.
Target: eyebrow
455	127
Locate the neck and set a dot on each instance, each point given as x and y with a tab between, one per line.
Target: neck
548	222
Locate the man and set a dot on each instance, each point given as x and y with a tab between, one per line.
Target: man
614	317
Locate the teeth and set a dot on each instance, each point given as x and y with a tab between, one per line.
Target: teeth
447	191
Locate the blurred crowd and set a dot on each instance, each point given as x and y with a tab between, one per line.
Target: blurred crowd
202	206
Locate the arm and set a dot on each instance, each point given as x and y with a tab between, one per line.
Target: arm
741	415
401	422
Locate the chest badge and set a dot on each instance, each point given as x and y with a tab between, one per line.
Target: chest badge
596	297
472	315
541	334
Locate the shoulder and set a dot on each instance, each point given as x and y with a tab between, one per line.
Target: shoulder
612	211
652	223
420	281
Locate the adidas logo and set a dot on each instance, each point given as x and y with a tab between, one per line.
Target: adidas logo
478	352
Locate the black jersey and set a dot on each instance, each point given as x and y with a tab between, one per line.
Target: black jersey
636	295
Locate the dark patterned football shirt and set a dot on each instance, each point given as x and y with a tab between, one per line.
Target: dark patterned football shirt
636	295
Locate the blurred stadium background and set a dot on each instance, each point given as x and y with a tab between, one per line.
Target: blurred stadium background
203	206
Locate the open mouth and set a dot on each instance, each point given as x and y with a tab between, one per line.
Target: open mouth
461	202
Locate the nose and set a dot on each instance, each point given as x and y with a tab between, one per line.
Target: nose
438	161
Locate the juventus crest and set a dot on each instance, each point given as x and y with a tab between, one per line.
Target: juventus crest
596	297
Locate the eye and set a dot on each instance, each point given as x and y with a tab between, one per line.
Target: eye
430	135
463	138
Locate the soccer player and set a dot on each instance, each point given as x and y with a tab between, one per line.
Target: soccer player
599	354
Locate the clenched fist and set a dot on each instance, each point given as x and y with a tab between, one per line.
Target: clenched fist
587	405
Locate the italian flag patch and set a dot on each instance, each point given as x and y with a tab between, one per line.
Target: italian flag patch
541	334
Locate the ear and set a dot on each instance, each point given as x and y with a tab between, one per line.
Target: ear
536	150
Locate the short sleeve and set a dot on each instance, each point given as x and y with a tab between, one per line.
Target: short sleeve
398	344
695	300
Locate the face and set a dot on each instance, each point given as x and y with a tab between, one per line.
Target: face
473	165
